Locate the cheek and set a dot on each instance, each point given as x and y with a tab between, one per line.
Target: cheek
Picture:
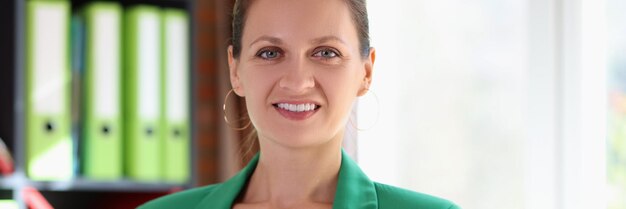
255	81
257	86
341	88
343	81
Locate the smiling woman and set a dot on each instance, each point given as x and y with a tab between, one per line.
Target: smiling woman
300	65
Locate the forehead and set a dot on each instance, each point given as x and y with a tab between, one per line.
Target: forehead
294	20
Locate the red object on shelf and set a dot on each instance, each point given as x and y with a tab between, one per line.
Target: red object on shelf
34	199
6	161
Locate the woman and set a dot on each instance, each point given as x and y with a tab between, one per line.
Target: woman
300	65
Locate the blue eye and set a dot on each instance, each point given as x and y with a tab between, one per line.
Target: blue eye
326	53
268	54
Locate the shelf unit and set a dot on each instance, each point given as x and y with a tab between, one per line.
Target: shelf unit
77	192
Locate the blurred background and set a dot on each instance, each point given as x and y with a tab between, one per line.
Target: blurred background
499	104
517	104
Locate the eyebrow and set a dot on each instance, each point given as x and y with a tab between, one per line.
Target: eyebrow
273	40
325	39
320	40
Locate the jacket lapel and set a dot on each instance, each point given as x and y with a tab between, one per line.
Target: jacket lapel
225	194
354	189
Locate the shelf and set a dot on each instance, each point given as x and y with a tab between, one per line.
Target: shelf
123	185
114	185
7	182
79	192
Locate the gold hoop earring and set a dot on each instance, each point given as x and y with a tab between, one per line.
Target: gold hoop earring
377	114
226	115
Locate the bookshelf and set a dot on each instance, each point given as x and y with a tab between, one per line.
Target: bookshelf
77	192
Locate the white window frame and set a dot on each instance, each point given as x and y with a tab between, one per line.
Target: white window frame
565	155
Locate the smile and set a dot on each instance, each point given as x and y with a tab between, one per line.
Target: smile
298	111
297	107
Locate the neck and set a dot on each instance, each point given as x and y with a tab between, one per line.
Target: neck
286	177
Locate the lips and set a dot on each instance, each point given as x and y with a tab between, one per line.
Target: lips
296	110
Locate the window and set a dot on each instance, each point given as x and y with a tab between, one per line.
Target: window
491	103
450	78
616	144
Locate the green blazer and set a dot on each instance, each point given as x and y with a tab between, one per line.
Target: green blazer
354	191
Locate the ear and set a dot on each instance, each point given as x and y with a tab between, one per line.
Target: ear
234	73
368	66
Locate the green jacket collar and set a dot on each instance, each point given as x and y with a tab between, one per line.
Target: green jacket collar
354	189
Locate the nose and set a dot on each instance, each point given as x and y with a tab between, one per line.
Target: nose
298	77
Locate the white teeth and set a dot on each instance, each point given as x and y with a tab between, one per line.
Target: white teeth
297	107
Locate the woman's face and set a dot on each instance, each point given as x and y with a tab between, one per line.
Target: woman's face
300	70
